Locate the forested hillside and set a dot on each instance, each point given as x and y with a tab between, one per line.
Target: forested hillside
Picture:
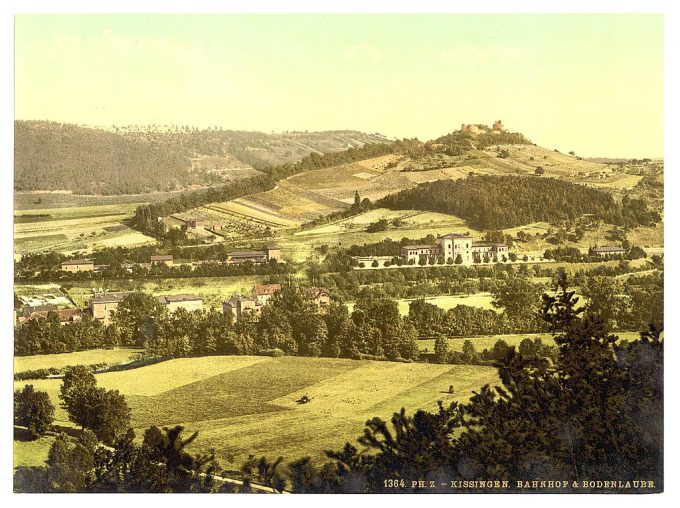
497	202
52	156
132	160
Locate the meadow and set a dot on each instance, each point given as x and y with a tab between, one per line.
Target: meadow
247	405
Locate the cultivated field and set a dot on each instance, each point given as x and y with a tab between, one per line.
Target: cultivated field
69	229
244	405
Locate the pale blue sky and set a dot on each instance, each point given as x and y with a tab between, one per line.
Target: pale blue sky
589	83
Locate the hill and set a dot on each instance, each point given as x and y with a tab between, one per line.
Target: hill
54	156
498	202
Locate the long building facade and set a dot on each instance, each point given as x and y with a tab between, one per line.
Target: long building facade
454	248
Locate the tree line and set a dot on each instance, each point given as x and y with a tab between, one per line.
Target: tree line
293	324
499	202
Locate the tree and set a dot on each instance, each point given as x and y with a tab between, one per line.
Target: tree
33	410
357	199
104	412
441	348
77	382
539	170
519	296
604	299
469	353
135	318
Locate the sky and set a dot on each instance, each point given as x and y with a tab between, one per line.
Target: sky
592	83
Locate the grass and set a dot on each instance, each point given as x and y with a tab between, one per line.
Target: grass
61	360
244	405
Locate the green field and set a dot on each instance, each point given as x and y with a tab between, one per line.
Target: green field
244	405
61	360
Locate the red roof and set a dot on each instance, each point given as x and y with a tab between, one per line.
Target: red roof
266	289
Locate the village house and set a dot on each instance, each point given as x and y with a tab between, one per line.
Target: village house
78	265
166	260
320	296
607	251
103	305
65	316
262	293
187	302
239	305
30	309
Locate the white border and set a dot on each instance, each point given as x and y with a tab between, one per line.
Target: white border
9	8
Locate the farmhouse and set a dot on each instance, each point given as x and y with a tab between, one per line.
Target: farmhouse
102	305
166	260
187	302
78	265
607	251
